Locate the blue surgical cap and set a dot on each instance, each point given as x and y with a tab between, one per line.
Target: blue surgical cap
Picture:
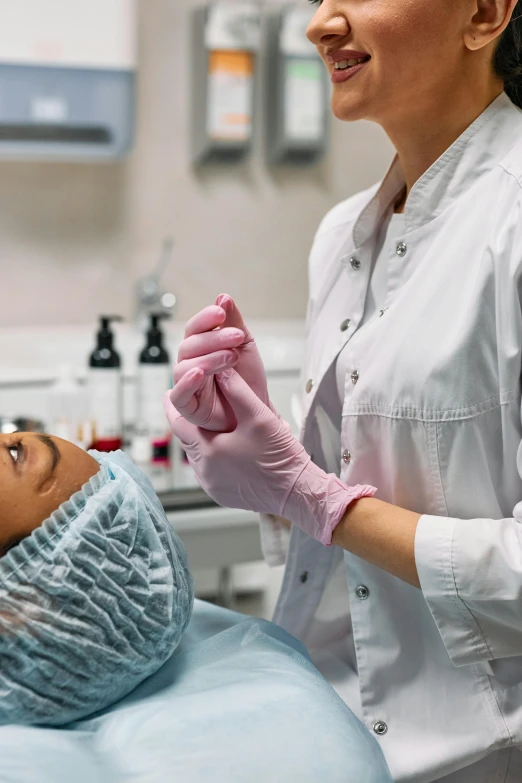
93	602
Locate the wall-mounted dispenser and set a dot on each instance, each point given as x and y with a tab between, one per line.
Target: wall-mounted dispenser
225	40
297	90
67	78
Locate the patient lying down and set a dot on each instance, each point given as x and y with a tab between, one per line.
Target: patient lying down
95	591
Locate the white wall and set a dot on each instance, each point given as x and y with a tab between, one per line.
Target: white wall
73	238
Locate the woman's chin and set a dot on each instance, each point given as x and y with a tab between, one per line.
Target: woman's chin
348	108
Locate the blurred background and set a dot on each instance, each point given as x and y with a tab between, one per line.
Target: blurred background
153	154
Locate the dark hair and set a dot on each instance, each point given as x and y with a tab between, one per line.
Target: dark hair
508	57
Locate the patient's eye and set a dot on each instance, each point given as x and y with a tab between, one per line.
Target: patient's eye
15	449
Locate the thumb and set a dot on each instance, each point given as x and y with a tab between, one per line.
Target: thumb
234	318
244	402
180	427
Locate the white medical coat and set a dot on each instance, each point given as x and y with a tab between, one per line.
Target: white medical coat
432	417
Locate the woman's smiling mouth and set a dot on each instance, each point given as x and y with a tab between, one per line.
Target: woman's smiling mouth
343	71
346	63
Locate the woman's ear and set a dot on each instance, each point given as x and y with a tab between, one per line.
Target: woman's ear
489	20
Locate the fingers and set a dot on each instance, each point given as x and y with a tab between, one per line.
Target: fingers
211	364
182	396
224	313
181	428
233	316
244	402
205	321
210	342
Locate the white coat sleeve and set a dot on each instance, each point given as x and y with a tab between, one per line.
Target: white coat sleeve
275	537
470	572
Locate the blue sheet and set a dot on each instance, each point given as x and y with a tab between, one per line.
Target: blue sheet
239	702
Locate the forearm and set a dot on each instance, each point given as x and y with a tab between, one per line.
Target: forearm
381	534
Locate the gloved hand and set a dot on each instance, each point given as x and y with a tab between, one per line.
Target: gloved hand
215	339
261	467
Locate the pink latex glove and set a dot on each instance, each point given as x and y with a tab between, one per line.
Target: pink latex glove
216	339
261	467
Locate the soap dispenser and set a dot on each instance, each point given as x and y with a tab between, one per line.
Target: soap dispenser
152	433
105	390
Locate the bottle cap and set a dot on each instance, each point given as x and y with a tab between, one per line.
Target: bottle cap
105	336
154	333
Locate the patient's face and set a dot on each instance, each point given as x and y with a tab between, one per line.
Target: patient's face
37	474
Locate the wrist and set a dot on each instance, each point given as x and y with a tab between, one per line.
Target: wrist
383	535
319	501
356	513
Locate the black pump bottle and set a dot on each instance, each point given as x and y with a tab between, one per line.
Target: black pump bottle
105	355
152	434
155	352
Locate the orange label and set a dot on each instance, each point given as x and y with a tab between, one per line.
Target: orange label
238	63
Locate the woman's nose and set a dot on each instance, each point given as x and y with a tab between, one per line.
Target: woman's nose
328	24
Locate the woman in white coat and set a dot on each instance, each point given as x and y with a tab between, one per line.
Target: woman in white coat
404	564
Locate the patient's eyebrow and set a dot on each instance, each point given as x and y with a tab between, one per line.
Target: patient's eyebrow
55	452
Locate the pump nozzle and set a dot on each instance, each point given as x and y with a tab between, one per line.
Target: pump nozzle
155	318
154	333
106	320
154	352
105	336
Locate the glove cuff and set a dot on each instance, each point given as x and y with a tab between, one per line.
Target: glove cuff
318	501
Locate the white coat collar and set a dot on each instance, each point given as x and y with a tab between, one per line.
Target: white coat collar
482	145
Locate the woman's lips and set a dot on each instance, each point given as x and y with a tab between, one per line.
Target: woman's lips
345	54
347	73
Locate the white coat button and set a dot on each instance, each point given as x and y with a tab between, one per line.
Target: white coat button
309	386
304	577
401	249
347	457
362	593
380	727
356	264
355	377
345	325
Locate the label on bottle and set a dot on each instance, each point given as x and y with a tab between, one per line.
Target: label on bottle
304	104
230	96
105	398
153	381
